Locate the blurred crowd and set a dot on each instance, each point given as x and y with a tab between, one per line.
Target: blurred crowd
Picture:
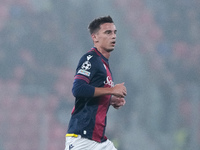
167	33
35	85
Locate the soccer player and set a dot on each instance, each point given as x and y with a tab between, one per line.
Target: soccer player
94	91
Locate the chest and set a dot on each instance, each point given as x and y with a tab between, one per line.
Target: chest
103	76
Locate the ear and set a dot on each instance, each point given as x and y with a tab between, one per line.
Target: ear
94	38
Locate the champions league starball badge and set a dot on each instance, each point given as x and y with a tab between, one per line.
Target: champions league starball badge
86	65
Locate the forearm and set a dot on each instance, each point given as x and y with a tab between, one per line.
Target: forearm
83	89
118	90
99	91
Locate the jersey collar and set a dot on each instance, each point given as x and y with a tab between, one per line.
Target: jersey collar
99	53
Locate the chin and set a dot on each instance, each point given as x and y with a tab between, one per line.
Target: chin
110	50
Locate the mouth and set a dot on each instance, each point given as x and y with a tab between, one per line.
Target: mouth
113	43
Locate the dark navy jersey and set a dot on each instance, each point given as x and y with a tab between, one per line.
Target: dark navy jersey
88	117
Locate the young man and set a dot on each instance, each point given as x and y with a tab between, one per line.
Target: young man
94	91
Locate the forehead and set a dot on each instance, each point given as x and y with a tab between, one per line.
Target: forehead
107	26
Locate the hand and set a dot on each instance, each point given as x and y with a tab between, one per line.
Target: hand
119	90
117	102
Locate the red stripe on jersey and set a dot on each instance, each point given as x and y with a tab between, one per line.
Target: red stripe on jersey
98	53
73	110
82	78
100	120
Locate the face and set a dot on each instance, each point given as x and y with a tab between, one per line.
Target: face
105	38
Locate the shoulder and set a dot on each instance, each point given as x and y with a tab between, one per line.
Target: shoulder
90	56
89	64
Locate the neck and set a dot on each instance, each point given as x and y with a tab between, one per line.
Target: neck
105	53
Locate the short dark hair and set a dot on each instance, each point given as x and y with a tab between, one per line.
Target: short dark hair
94	26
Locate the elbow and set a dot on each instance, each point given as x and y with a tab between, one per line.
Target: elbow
82	90
76	88
75	92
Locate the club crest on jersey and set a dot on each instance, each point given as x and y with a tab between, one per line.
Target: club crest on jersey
109	82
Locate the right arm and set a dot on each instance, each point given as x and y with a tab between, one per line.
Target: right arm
83	89
118	90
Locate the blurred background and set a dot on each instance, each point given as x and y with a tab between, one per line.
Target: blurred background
157	56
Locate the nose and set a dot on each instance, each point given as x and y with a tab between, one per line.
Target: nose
114	35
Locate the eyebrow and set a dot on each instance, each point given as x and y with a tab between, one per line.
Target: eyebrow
110	31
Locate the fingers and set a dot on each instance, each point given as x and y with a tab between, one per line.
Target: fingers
124	92
124	89
117	102
117	106
120	90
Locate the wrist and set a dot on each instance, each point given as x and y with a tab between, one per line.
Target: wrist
99	91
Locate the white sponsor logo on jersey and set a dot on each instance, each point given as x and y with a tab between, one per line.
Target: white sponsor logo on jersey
109	82
84	72
89	57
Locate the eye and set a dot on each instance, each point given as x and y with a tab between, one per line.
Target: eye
108	32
